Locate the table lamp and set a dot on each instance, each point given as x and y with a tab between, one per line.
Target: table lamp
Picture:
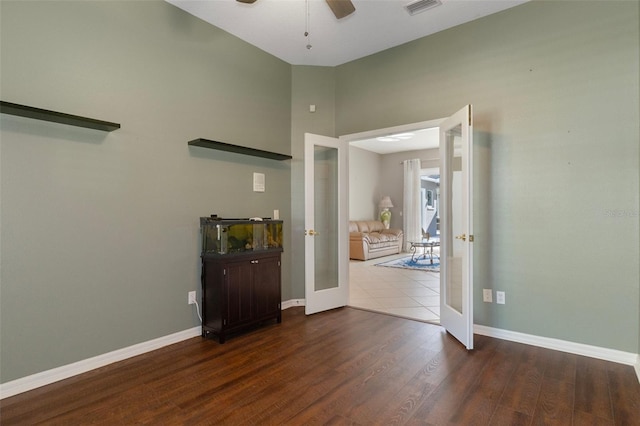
385	214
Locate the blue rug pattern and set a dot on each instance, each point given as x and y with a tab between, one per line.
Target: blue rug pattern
418	263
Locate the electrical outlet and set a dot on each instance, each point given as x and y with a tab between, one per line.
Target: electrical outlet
487	295
191	297
500	298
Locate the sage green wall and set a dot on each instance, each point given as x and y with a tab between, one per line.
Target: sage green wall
392	183
554	86
311	85
364	184
100	237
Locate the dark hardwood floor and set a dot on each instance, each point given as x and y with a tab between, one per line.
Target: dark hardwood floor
340	367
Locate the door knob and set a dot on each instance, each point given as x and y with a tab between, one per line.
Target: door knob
312	232
462	237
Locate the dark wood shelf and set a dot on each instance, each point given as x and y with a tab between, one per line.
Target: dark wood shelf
221	146
56	117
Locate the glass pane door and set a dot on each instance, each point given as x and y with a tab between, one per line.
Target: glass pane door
326	224
454	244
325	217
456	207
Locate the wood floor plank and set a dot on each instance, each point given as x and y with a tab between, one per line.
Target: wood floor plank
523	389
368	376
451	394
555	403
561	366
380	385
445	361
343	367
592	389
485	393
503	416
625	395
587	419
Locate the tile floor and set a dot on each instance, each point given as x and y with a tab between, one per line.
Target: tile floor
396	291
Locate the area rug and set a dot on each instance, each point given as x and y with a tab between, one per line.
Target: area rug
418	263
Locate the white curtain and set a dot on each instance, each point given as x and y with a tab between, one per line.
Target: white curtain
411	206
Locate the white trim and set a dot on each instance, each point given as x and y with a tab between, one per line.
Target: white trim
612	355
43	378
37	380
292	302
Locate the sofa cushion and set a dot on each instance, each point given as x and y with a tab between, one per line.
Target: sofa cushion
376	238
370	226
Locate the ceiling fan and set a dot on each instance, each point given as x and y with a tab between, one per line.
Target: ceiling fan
340	8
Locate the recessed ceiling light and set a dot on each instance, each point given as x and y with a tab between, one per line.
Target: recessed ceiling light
403	136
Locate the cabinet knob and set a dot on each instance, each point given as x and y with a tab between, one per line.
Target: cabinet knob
255	261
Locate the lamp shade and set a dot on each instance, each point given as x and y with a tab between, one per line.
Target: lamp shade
385	203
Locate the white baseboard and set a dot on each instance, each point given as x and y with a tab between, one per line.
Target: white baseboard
293	302
64	372
43	378
612	355
37	380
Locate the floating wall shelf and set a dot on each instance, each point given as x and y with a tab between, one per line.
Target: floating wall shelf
221	146
56	117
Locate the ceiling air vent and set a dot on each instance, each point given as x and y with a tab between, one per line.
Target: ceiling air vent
421	5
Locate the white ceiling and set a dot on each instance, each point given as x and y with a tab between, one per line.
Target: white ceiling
404	141
278	26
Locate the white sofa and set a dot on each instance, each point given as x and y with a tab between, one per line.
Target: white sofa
368	239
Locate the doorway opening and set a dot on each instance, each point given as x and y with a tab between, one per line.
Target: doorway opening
376	172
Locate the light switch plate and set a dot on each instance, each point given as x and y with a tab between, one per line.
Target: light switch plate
258	182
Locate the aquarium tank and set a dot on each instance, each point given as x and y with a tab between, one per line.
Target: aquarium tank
227	236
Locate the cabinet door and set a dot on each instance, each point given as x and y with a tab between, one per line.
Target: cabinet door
239	293
266	278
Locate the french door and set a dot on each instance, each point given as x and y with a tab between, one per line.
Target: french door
456	237
326	224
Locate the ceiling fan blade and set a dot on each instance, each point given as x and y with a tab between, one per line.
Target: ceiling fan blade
341	8
247	1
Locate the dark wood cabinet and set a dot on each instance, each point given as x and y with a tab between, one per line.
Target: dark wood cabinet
239	290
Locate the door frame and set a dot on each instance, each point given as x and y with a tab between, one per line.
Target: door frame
370	134
414	127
